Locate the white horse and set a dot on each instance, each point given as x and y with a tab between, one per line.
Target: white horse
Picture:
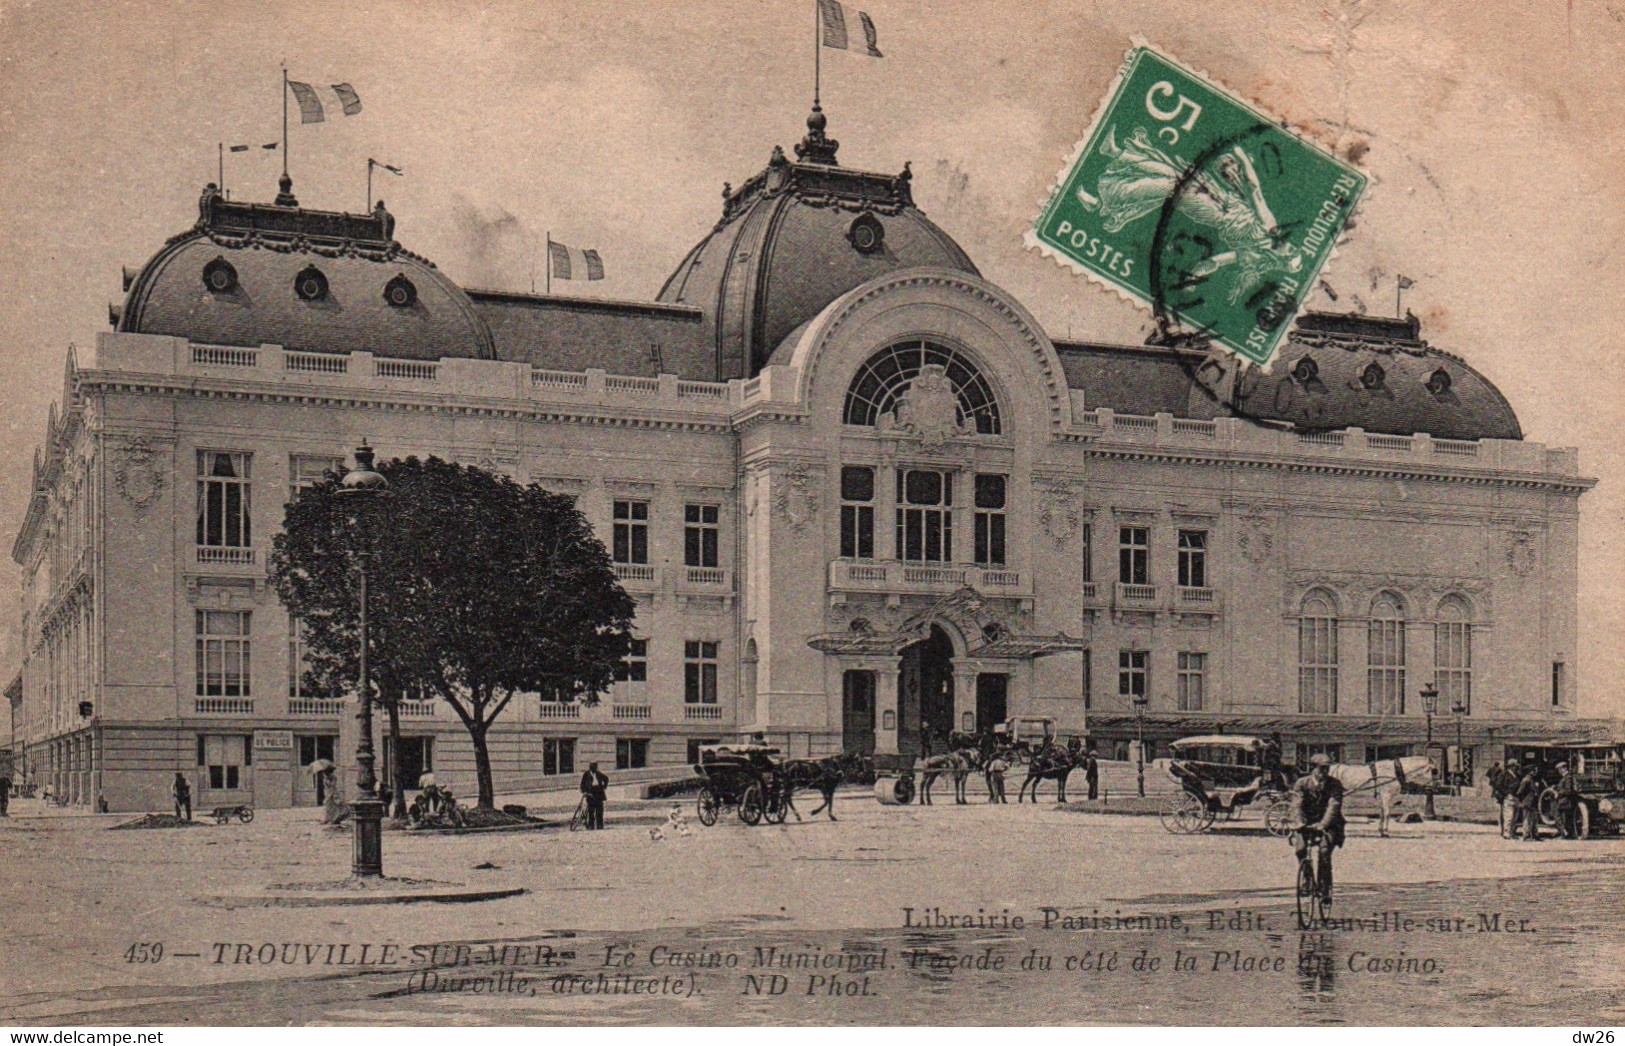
1385	779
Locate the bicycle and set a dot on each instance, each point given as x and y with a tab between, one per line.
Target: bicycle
578	820
1314	896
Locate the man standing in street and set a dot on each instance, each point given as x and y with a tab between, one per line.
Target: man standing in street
594	787
1568	803
1527	797
183	797
1091	772
5	794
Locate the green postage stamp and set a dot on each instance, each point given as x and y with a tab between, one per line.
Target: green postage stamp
1190	201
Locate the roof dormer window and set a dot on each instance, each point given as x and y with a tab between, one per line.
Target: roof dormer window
220	276
310	284
400	292
1439	382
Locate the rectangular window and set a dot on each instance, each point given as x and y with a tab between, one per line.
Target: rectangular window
316	746
1192	680
222	653
1133	555
224	758
700	532
1193	559
857	512
700	672
1133	670
558	755
631	753
1088	554
925	520
298	686
695	744
990	520
223	499
1557	684
631	538
634	668
307	470
1453	664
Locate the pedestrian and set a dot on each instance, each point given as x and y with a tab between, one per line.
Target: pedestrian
1091	772
594	787
1528	799
995	779
183	797
1568	803
5	795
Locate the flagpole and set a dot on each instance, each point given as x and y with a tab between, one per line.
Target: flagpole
1398	290
367	208
549	253
818	24
222	148
284	117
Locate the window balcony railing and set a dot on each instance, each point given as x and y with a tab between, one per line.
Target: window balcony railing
223	706
706	575
1136	595
225	554
631	712
893	577
417	709
1088	589
1192	596
315	706
642	574
558	710
709	712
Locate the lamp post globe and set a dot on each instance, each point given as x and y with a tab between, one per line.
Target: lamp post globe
1430	704
362	489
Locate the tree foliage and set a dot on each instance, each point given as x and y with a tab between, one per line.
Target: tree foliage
480	589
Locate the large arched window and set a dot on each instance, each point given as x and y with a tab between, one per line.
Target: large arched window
881	382
1453	655
1317	653
1385	657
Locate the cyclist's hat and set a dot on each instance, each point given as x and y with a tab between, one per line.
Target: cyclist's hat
1320	759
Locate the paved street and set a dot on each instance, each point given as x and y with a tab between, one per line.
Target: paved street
77	897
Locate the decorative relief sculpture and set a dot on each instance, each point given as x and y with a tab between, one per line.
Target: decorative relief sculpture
1255	538
1060	511
928	410
138	473
795	496
1522	553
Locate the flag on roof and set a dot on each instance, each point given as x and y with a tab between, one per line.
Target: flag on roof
349	101
833	16
388	167
1405	283
570	263
245	148
310	106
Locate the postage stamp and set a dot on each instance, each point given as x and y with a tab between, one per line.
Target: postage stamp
1192	202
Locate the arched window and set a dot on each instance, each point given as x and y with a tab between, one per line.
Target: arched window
1453	655
881	382
1385	657
1317	653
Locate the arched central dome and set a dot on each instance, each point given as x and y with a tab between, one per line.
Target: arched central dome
794	238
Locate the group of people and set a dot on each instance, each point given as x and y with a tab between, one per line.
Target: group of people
998	760
1521	787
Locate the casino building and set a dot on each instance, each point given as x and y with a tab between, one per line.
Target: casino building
861	497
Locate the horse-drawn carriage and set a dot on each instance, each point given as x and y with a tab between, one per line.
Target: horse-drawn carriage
746	777
1218	775
1024	735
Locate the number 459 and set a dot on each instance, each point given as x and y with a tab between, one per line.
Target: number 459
1162	89
145	952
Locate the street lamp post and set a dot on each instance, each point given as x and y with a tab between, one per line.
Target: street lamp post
361	488
1430	701
1139	749
1458	710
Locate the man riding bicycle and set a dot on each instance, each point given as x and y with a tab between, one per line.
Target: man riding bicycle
1317	817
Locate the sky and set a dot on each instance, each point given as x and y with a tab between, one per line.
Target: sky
1490	131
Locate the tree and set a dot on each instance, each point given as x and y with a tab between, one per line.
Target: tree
478	589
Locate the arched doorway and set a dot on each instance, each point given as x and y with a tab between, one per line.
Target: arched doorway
925	694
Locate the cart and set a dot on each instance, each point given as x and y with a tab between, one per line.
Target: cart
244	812
1218	774
1024	735
1600	772
746	777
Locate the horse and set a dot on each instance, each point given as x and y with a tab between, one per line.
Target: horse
1052	764
959	764
824	774
1385	779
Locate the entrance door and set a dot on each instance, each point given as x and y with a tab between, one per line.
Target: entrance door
925	697
415	758
992	700
858	712
309	786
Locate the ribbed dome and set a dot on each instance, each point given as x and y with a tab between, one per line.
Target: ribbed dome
315	281
794	238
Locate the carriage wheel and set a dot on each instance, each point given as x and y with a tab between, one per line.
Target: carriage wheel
708	806
903	790
1275	817
245	814
1209	815
751	806
777	810
1184	814
1547	807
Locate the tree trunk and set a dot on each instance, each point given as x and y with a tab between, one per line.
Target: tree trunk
397	788
482	765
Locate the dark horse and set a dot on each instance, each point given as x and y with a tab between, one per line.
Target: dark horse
1052	764
825	774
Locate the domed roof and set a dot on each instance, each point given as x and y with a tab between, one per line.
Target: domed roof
313	281
1343	371
794	238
